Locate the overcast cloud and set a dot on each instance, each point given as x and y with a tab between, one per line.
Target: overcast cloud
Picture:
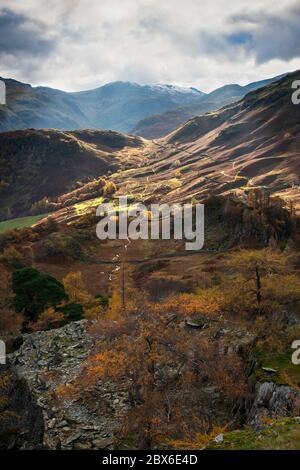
80	44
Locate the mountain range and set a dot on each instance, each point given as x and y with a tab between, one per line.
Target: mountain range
116	106
251	143
148	110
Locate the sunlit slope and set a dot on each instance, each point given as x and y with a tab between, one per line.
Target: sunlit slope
252	143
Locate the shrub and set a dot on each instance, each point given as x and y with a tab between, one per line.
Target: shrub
49	319
12	257
35	291
10	322
60	244
75	288
72	311
103	300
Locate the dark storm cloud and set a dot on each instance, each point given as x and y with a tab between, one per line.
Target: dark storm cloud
20	35
268	36
263	35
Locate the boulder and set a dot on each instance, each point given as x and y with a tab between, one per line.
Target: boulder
273	401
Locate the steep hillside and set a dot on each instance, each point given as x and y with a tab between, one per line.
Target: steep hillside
118	106
252	143
40	108
47	163
159	125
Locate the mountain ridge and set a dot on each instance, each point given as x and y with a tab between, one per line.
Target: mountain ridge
117	105
120	106
248	144
159	125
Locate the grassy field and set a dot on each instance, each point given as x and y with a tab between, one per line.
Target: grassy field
282	435
20	222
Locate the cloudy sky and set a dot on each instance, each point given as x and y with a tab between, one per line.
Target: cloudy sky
81	44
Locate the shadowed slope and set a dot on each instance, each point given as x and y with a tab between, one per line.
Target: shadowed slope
47	163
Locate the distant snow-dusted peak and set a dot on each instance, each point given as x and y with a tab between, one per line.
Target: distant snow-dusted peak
174	89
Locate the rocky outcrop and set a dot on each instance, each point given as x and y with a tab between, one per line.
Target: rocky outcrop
273	401
48	359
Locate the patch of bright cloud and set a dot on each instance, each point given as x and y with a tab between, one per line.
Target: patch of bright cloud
81	44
